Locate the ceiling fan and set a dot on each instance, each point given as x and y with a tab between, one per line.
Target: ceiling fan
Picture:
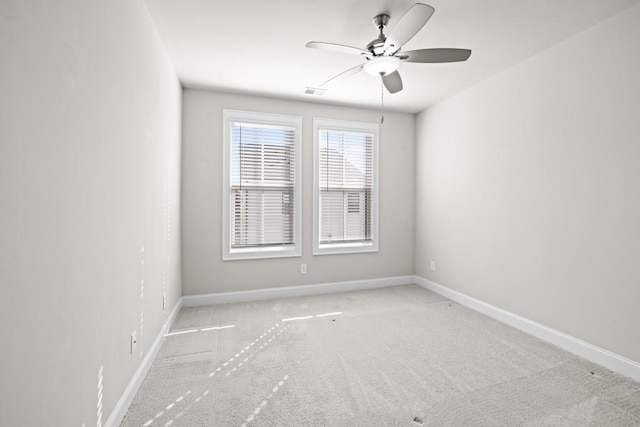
383	55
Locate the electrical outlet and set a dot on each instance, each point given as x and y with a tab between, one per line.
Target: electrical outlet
433	265
134	340
303	268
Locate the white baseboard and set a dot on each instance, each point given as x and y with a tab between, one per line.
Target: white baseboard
121	408
612	361
294	291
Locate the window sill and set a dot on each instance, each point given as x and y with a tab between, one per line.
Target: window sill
345	248
262	253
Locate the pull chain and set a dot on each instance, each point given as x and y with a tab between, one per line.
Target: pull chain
381	102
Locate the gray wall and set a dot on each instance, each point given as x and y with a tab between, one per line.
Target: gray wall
89	174
528	188
203	268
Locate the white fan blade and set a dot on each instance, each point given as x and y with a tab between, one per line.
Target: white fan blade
432	56
392	82
408	26
334	47
343	75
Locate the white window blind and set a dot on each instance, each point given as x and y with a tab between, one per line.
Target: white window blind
262	187
346	206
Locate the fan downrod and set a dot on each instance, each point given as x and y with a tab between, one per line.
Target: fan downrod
376	47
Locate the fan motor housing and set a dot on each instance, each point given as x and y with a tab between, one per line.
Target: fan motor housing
376	46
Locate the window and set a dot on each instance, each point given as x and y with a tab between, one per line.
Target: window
345	187
261	217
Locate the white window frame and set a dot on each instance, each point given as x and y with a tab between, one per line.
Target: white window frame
295	250
348	247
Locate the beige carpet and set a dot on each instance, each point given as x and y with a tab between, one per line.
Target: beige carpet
400	356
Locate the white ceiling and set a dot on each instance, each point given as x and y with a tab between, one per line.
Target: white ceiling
258	46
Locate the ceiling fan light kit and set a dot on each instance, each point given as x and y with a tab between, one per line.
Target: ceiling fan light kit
384	54
382	65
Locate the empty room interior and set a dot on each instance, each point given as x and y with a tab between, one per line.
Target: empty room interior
336	213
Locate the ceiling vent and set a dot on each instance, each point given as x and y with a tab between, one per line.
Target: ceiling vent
315	91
